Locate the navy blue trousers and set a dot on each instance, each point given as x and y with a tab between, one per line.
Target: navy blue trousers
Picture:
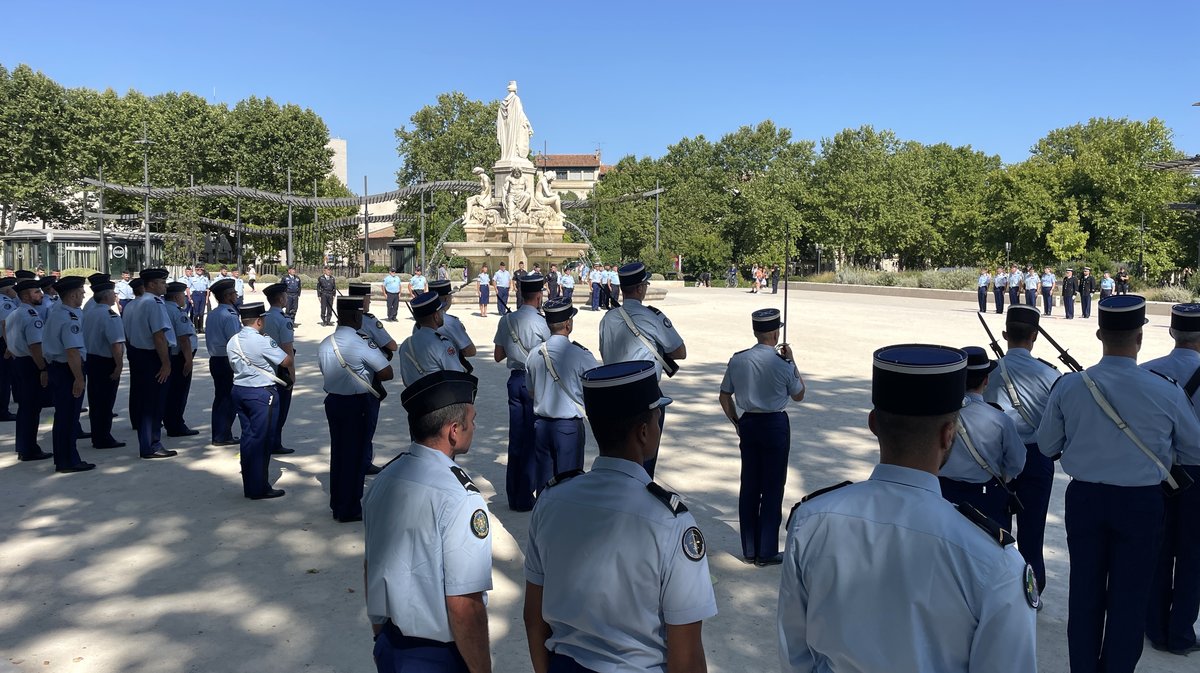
66	415
254	409
152	398
1069	306
371	423
595	296
6	367
521	476
502	300
560	663
988	498
569	293
285	405
765	441
178	389
1031	298
1175	596
102	397
222	407
998	293
557	447
347	418
28	391
982	292
198	305
1014	295
397	653
1085	304
1033	486
1047	301
1113	534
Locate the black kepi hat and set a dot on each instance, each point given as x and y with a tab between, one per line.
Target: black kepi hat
1185	317
621	390
23	274
1122	312
68	283
221	286
274	290
349	304
176	286
135	283
438	390
766	320
153	274
633	274
103	286
359	289
1022	314
5	282
978	362
248	311
97	278
442	287
918	379
558	311
27	284
532	282
425	304
46	282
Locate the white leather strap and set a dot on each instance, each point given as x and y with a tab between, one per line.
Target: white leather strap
554	375
341	361
237	346
1112	414
641	337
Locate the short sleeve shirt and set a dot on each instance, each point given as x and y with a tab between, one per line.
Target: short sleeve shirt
618	343
253	356
279	327
519	332
144	317
63	331
761	381
102	328
425	352
362	357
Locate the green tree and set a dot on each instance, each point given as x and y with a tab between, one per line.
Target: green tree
1067	239
35	177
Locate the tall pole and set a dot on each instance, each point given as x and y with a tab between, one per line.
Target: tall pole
237	180
787	263
316	238
657	191
366	230
1142	251
102	251
422	225
145	143
291	260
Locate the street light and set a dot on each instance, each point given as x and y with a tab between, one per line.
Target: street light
1142	251
145	142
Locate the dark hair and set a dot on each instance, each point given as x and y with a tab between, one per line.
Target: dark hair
610	432
909	436
1020	331
422	428
974	380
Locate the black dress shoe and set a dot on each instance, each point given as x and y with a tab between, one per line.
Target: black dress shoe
113	445
348	519
186	432
374	469
78	467
282	452
228	442
40	455
273	493
8	417
161	453
769	561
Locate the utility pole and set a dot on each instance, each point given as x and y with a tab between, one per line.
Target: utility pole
657	191
102	251
291	260
237	181
422	179
366	230
1142	251
146	143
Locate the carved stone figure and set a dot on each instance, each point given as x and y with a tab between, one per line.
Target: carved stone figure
477	206
512	127
516	197
545	196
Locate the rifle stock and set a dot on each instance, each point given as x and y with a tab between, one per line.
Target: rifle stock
1065	357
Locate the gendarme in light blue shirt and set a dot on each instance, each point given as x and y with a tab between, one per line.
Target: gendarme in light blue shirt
1048	280
23	327
519	332
984	279
418	283
253	358
995	438
362	357
143	318
890	557
1094	449
425	352
279	327
1180	364
1032	281
185	331
618	343
562	398
63	331
761	381
1031	379
223	322
391	284
102	328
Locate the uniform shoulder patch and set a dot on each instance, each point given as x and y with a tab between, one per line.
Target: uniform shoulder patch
273	344
693	544
74	329
1029	581
37	324
993	529
672	500
378	324
479	524
563	476
463	479
291	325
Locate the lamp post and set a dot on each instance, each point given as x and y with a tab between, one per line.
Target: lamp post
421	178
818	258
1142	251
1007	252
366	230
102	251
145	142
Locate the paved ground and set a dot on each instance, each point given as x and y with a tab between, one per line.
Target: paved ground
162	566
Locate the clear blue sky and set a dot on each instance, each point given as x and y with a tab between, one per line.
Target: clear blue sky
635	77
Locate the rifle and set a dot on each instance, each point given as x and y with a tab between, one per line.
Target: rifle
1066	358
995	345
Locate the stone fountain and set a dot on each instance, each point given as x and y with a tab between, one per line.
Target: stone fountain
516	216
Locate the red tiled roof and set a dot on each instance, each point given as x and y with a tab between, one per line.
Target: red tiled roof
604	168
567	161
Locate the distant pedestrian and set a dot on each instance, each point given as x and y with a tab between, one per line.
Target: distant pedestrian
775	279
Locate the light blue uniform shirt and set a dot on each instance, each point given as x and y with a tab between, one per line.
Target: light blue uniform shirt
984	279
1014	279
1108	284
428	536
425	352
614	566
391	284
614	277
1001	280
279	327
43	308
453	329
374	330
995	438
102	328
560	399
418	283
253	356
503	279
7	306
171	316
63	330
185	331
23	327
1032	380
122	290
760	380
362	357
530	329
618	344
1032	281
886	575
199	284
143	318
483	279
566	280
1094	449
1180	364
223	323
1048	280
239	286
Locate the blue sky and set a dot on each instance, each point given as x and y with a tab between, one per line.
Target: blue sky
633	78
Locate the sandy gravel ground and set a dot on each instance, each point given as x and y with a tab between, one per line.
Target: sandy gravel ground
162	567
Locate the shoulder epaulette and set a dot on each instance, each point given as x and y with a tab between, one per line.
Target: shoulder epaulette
464	479
579	344
993	529
75	317
1048	364
995	406
812	495
368	315
563	476
653	309
1165	377
406	453
32	312
671	500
